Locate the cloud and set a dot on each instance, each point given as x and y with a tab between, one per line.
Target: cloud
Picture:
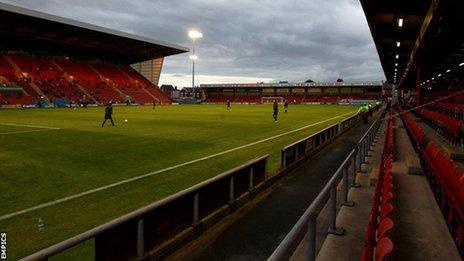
273	39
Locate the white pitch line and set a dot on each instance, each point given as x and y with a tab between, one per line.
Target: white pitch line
29	126
17	132
54	202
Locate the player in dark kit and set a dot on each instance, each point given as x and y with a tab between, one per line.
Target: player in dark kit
154	105
275	108
228	105
286	106
108	113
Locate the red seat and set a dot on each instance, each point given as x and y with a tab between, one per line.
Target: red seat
384	248
386	209
385	226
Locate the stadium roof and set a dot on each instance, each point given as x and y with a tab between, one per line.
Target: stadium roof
431	37
283	85
32	30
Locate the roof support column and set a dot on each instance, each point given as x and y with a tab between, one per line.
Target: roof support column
418	86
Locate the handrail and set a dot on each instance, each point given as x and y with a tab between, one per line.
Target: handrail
307	222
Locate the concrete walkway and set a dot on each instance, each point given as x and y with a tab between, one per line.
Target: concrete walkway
255	234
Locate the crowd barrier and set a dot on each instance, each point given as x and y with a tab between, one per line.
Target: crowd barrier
297	152
131	236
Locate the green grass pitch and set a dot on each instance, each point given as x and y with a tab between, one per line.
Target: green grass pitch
41	165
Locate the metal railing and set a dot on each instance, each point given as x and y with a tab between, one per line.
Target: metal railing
131	236
298	151
306	225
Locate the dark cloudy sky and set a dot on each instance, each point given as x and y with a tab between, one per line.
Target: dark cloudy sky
244	40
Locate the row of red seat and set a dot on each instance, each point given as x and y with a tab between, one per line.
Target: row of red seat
417	133
378	243
447	182
449	127
453	109
445	178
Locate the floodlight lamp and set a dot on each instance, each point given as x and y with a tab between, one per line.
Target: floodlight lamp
194	34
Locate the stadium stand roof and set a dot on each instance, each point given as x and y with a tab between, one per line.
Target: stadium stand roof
430	37
27	29
290	84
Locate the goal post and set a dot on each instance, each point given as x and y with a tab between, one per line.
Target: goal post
272	99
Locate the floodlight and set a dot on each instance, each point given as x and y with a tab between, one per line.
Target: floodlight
194	34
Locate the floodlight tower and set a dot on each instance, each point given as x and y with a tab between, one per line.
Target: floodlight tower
194	34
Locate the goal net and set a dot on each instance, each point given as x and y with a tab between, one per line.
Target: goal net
272	99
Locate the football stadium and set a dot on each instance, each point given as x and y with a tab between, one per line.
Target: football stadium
99	162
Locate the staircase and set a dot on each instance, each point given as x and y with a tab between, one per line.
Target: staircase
82	89
111	83
19	71
143	88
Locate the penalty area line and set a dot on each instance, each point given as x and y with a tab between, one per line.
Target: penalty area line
112	185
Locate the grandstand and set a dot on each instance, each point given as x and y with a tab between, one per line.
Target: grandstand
71	62
298	93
